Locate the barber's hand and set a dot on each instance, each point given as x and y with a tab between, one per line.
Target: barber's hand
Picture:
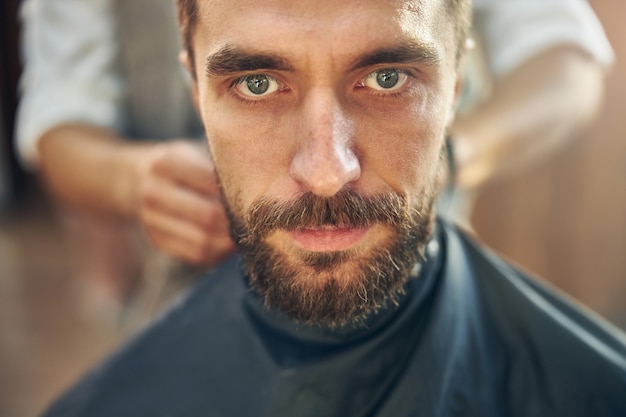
179	206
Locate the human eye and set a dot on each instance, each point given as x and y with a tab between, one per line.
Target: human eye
256	85
385	79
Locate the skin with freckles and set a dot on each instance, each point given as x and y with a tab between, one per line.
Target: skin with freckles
324	104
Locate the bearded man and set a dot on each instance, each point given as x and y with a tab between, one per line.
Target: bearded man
326	123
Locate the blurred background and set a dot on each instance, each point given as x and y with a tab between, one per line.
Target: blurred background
564	220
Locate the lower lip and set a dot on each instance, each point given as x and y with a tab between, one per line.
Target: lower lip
326	240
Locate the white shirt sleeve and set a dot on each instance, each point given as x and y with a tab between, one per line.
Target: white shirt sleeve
71	69
515	30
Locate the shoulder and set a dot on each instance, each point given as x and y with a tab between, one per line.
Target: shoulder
162	369
553	354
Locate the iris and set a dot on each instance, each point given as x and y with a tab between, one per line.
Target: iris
258	84
387	78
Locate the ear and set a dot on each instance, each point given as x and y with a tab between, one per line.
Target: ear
470	45
459	79
458	88
458	91
185	60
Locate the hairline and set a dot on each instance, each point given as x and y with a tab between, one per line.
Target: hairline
460	10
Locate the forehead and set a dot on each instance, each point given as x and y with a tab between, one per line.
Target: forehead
335	27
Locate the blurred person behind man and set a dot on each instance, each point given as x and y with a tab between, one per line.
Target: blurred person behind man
106	119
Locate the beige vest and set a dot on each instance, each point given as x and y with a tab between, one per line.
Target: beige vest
159	105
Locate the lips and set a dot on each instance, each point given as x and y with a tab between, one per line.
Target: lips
327	238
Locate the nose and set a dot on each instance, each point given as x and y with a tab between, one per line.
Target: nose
325	160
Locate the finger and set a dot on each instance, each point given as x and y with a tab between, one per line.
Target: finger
219	249
200	209
189	165
162	222
174	246
209	254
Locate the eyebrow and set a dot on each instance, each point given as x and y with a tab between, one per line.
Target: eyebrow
230	60
406	52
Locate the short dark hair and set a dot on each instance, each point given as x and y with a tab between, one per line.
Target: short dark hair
460	11
187	19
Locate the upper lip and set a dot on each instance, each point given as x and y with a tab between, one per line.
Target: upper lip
326	228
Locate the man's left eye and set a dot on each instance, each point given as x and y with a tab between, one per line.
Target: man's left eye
257	85
386	79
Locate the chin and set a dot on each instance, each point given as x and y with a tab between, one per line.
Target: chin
332	289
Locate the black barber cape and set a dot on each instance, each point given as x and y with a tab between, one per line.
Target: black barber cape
472	337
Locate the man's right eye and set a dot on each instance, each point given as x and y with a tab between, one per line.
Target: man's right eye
256	85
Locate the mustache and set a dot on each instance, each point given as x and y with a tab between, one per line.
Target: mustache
347	208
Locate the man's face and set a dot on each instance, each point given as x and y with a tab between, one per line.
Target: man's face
326	120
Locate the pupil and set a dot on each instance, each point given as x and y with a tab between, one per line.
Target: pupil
387	78
258	84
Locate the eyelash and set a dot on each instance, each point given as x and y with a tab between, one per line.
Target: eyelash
383	93
393	94
252	102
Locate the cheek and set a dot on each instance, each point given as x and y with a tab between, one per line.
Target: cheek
249	148
404	147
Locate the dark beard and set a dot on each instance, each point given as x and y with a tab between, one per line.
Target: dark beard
378	278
